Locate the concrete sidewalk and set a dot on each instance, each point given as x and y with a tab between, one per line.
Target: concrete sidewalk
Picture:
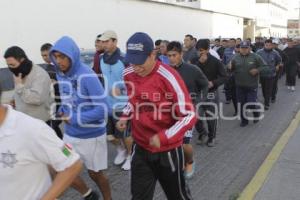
283	181
278	177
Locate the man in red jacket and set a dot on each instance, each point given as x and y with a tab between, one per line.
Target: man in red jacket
161	112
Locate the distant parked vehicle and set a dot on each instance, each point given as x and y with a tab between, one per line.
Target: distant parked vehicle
87	56
6	79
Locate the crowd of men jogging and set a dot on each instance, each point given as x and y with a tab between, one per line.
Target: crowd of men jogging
149	102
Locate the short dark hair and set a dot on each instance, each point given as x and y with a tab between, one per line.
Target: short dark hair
268	41
189	36
238	38
15	52
174	46
249	39
157	42
233	39
165	41
46	47
208	40
202	44
217	40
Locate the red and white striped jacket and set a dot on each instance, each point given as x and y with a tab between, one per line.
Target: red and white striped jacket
159	103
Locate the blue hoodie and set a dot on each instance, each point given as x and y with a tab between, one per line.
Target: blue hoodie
82	94
112	67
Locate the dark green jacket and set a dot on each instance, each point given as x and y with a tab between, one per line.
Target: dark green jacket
241	66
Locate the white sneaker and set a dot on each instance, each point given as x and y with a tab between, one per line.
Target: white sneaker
289	87
293	88
127	165
121	155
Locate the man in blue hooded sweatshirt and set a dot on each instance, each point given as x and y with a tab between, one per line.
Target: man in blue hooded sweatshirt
83	109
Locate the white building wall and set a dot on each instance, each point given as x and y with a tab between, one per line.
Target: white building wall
31	23
241	8
271	20
227	26
293	33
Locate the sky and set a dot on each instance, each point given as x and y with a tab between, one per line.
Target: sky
293	13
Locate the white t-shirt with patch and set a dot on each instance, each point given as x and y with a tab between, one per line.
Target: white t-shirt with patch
27	147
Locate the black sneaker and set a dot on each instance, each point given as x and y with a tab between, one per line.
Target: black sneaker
243	124
211	142
92	196
202	139
267	107
273	100
255	121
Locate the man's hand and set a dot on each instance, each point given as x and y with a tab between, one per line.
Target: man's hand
63	117
62	181
253	72
66	119
18	79
210	84
155	141
115	92
203	58
12	103
229	66
121	125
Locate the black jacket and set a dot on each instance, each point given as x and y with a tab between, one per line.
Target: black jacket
283	55
214	70
293	56
194	79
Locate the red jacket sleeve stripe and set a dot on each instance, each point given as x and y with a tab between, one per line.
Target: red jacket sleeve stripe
186	122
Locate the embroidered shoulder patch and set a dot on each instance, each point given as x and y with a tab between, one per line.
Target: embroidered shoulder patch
67	150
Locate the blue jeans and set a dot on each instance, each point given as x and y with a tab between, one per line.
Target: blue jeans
247	95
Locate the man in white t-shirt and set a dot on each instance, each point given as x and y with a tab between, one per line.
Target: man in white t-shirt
27	147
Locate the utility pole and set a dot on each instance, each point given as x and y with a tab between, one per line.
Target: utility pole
299	19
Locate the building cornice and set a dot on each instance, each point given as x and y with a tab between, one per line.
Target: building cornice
272	3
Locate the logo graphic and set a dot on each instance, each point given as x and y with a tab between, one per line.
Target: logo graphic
8	159
135	47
